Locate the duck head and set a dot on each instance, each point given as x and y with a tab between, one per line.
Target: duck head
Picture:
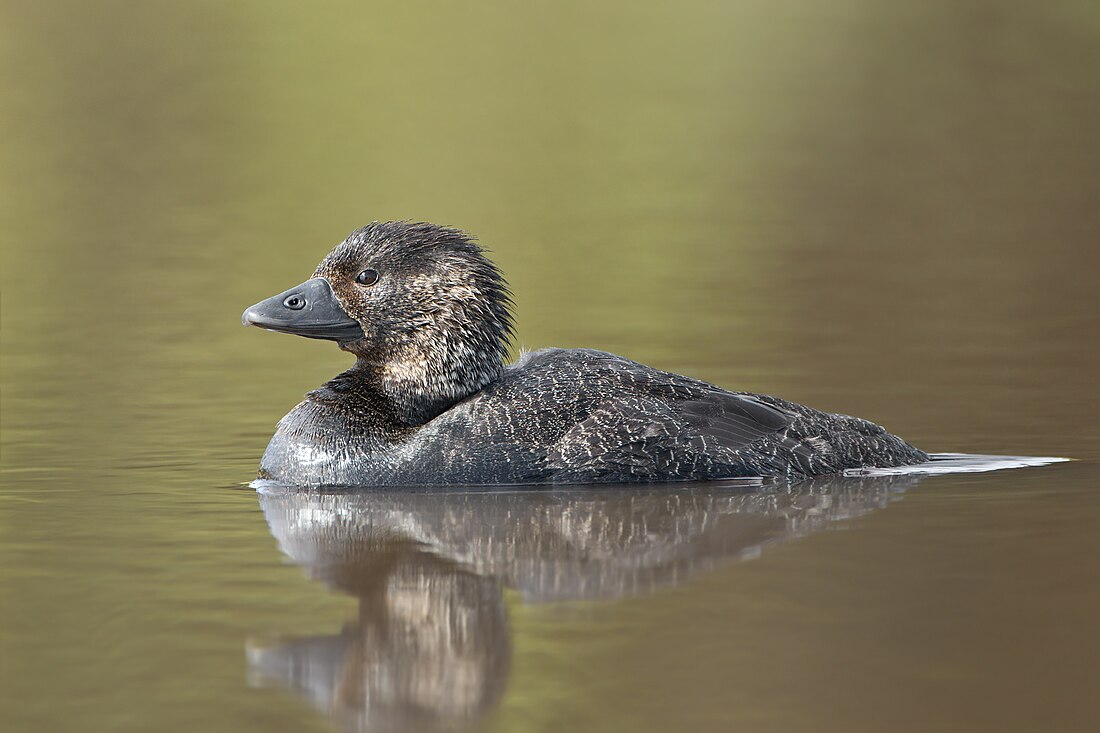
426	314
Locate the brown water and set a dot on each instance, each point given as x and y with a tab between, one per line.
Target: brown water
886	209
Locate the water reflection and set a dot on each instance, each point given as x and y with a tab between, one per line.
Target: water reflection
430	647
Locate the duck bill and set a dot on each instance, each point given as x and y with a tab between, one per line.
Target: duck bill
309	310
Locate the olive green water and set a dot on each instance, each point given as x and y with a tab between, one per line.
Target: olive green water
885	209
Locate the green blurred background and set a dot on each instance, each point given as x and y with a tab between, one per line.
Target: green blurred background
885	209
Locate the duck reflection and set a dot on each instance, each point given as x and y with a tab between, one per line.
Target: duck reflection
430	648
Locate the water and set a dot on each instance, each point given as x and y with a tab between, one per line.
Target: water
889	211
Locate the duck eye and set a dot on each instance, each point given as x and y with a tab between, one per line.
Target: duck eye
367	277
295	302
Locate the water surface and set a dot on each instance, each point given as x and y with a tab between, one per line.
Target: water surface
883	210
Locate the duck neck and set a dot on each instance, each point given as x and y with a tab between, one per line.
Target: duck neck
418	389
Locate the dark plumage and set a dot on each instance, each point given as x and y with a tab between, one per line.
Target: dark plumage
430	400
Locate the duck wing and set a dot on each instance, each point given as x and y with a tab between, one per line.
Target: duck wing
733	420
647	438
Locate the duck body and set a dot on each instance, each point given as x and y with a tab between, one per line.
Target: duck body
430	400
571	416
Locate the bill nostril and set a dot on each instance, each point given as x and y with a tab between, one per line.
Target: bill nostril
295	302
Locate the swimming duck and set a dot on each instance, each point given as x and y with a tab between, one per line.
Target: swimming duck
431	398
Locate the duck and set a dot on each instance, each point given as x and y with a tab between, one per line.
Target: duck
433	400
